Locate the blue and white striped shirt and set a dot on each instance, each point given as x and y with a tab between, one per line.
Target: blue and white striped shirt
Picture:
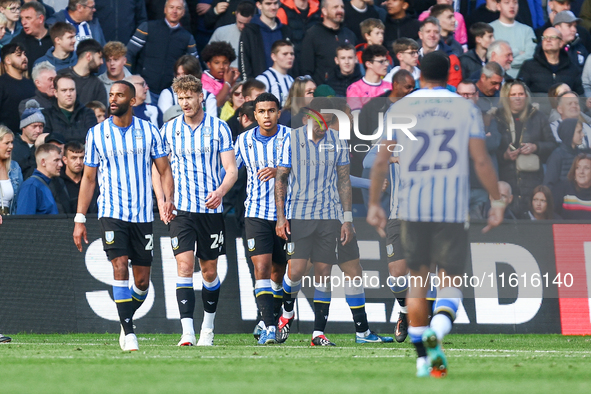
313	193
257	152
394	188
124	158
277	84
195	160
434	170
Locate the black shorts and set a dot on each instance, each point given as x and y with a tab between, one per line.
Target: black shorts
205	229
394	244
261	238
347	252
313	239
134	240
443	244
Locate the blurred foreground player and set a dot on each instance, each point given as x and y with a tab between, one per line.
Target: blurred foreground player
434	199
199	145
122	149
259	150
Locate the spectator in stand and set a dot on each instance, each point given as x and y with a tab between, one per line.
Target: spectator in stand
14	83
473	60
43	75
530	12
10	173
221	13
257	37
49	10
99	109
346	71
187	65
356	12
445	15
572	197
568	107
31	126
251	89
372	84
459	31
506	196
34	38
520	37
246	116
551	64
145	49
322	40
372	31
88	86
67	115
487	12
119	19
406	51
115	57
398	23
300	95
34	197
526	142
144	111
557	6
63	52
299	15
500	52
235	101
11	10
557	90
70	178
231	33
80	14
219	77
561	159
431	41
276	78
566	23
542	204
3	23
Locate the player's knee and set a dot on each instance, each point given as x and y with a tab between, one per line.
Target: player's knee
142	283
397	268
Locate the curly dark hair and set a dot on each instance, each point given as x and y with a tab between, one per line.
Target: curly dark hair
218	48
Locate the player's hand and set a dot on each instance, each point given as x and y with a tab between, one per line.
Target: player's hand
377	218
347	232
394	159
266	174
79	235
202	8
282	228
166	214
495	217
385	185
221	7
214	199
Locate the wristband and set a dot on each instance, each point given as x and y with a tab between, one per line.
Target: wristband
80	218
348	217
229	85
498	204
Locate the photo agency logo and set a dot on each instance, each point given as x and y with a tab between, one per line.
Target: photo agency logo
382	133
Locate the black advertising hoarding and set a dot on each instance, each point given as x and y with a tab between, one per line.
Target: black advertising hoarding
47	286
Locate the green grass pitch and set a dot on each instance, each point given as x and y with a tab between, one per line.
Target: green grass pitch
94	363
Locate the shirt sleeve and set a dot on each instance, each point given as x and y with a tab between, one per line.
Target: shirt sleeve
476	125
285	159
158	148
225	137
343	153
238	153
91	154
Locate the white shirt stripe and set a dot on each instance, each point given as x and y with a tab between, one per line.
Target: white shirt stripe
124	161
257	152
277	84
195	160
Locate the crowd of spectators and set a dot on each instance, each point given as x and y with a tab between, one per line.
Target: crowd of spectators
525	64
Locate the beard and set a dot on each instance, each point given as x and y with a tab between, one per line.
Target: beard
93	67
121	109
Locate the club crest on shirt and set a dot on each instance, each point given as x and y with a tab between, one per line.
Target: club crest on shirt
251	245
175	243
390	250
290	248
109	237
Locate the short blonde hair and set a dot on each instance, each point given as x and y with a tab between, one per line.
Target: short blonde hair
187	83
3	132
3	20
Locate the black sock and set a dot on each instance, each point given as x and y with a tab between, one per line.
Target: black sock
210	299
421	351
320	315
360	319
185	297
287	302
401	301
277	302
125	310
265	305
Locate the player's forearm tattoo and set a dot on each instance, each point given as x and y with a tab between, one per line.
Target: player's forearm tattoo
344	187
281	179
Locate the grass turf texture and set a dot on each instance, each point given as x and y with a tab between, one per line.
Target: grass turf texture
94	363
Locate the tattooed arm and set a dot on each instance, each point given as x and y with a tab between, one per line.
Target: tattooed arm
281	179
